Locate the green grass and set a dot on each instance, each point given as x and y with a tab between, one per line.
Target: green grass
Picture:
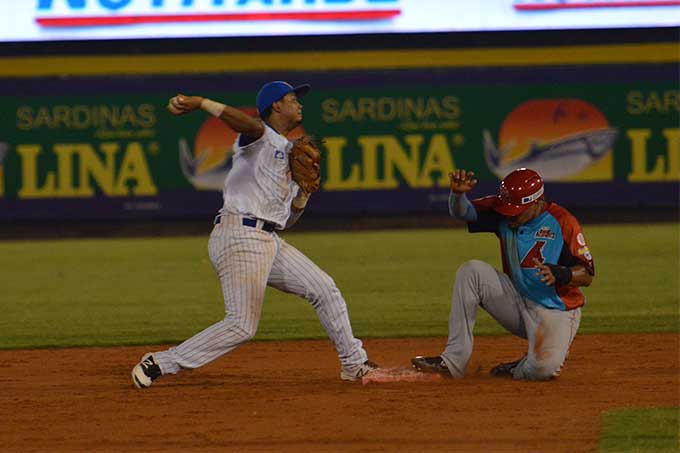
397	283
640	430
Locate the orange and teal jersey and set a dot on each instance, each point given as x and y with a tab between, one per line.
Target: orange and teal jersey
553	237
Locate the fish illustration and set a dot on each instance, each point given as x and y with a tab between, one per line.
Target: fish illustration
212	179
555	159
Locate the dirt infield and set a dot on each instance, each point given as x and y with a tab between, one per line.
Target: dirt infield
287	396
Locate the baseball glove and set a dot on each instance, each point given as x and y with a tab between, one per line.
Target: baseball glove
305	160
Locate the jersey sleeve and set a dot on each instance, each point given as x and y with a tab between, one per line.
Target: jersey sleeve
269	139
246	144
575	249
458	203
488	220
245	140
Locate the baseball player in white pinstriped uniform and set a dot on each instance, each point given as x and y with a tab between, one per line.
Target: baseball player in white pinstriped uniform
260	197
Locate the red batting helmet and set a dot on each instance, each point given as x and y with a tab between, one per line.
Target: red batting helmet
518	191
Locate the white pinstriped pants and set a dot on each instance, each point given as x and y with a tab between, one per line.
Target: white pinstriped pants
246	260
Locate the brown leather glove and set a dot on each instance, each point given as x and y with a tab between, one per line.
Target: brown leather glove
305	160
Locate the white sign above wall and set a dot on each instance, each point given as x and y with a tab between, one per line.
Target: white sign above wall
58	20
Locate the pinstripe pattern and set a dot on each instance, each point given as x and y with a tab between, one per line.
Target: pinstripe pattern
246	260
294	273
242	257
259	183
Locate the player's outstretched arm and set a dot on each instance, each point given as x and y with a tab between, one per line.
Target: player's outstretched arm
236	119
461	182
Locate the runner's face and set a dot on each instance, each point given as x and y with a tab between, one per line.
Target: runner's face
528	215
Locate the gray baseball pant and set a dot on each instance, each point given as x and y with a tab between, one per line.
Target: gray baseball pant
548	332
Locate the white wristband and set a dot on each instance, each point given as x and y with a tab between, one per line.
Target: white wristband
300	201
212	107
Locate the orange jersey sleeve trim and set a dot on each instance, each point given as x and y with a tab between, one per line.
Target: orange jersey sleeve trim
573	236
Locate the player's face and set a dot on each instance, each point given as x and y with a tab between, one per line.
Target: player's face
528	215
291	108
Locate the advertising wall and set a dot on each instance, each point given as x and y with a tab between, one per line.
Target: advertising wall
103	148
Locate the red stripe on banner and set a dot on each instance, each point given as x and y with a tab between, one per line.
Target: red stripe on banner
130	20
639	3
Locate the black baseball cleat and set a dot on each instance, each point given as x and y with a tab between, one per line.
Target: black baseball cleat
505	369
145	372
431	365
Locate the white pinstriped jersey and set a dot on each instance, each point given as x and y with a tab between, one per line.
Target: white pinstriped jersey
248	256
259	183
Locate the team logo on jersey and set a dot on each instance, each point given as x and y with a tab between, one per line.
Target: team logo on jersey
545	232
208	163
583	250
278	154
581	239
558	138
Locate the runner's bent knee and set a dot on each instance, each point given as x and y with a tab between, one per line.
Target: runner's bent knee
539	370
473	269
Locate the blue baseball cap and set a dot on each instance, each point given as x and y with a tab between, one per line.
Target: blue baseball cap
273	91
